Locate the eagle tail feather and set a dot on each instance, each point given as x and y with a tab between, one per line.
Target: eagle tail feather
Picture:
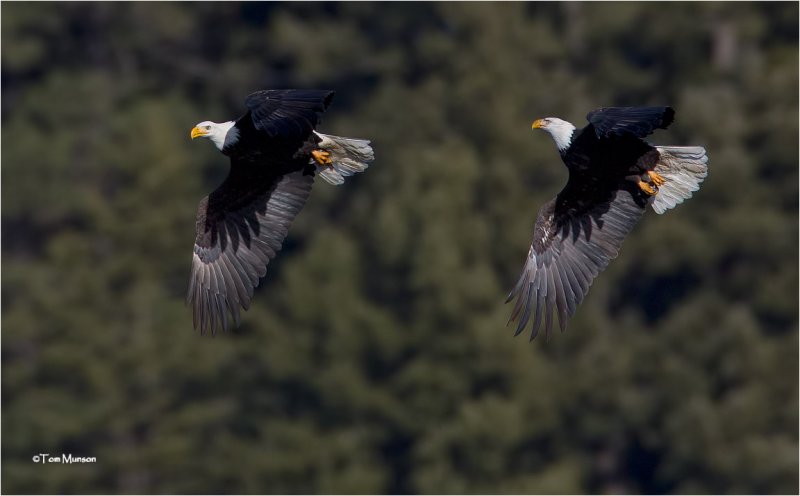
683	168
348	156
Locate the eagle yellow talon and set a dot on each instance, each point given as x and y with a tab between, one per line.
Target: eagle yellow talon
647	188
322	158
656	178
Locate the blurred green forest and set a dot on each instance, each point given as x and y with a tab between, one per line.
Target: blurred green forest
375	357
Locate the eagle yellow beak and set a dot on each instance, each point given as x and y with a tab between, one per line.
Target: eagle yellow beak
538	123
196	131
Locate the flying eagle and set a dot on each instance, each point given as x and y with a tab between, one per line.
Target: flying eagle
613	176
275	153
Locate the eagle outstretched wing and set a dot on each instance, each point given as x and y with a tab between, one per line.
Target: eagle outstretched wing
240	228
575	237
635	121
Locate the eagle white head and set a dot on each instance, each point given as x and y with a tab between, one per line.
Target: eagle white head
214	131
560	130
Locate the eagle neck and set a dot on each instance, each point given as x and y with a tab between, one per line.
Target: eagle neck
562	136
225	134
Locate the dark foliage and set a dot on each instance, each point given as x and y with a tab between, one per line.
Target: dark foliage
374	357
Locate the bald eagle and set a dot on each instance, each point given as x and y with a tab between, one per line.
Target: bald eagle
613	176
275	152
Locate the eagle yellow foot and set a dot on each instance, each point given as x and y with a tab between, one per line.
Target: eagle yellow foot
647	188
322	158
656	178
